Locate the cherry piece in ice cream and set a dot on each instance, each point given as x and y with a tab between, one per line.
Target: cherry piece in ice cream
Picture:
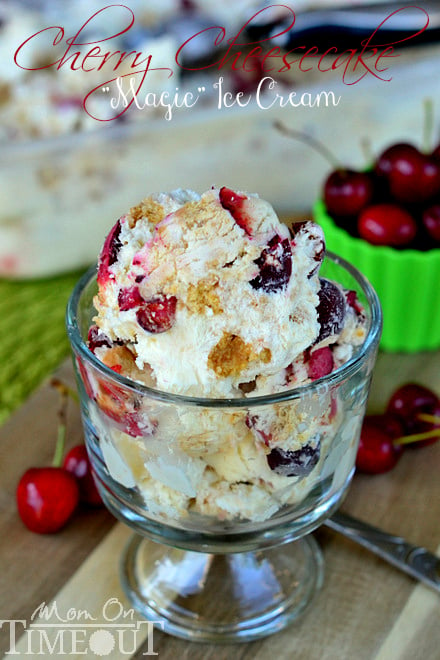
233	202
297	463
331	310
275	266
109	253
96	338
158	314
129	298
320	363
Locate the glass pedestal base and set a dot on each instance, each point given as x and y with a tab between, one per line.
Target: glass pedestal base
221	598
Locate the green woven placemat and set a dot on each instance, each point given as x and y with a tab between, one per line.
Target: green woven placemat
33	339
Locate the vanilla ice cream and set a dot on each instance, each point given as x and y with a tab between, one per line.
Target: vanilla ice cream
211	296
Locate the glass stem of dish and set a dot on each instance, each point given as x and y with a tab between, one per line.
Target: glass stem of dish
228	597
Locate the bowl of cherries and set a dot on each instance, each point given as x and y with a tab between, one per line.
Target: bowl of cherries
386	221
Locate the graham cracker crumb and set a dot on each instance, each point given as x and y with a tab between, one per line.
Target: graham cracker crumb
5	93
198	216
231	355
265	355
203	295
148	208
119	356
195	212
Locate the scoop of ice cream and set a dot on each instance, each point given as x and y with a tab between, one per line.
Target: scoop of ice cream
212	296
209	292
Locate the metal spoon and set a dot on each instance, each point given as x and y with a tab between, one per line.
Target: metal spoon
413	560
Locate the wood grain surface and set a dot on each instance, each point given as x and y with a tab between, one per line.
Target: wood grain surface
366	609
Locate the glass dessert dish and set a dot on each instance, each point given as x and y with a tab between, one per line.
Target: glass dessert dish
233	558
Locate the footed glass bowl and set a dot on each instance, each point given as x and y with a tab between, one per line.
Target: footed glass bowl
196	477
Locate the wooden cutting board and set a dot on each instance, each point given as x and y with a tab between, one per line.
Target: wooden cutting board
366	609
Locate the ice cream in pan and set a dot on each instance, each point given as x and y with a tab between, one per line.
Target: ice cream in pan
211	296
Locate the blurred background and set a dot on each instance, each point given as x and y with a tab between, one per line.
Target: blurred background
65	178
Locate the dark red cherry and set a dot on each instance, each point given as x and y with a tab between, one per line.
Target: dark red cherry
158	314
376	452
275	266
388	422
430	428
297	463
331	309
391	155
386	224
412	176
409	400
109	253
346	192
422	186
96	338
431	221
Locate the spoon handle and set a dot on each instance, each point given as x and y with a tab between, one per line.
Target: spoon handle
414	560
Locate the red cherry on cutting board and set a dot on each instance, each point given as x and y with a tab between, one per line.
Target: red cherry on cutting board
46	498
376	451
411	400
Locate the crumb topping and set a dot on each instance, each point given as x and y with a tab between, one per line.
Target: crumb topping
5	93
231	355
203	295
121	360
200	216
149	209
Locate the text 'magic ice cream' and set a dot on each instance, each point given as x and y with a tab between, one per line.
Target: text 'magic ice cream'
211	296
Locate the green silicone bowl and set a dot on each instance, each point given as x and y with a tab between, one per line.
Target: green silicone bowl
407	282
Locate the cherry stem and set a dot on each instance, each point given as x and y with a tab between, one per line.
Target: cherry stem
61	436
428	124
417	437
432	419
310	142
64	389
